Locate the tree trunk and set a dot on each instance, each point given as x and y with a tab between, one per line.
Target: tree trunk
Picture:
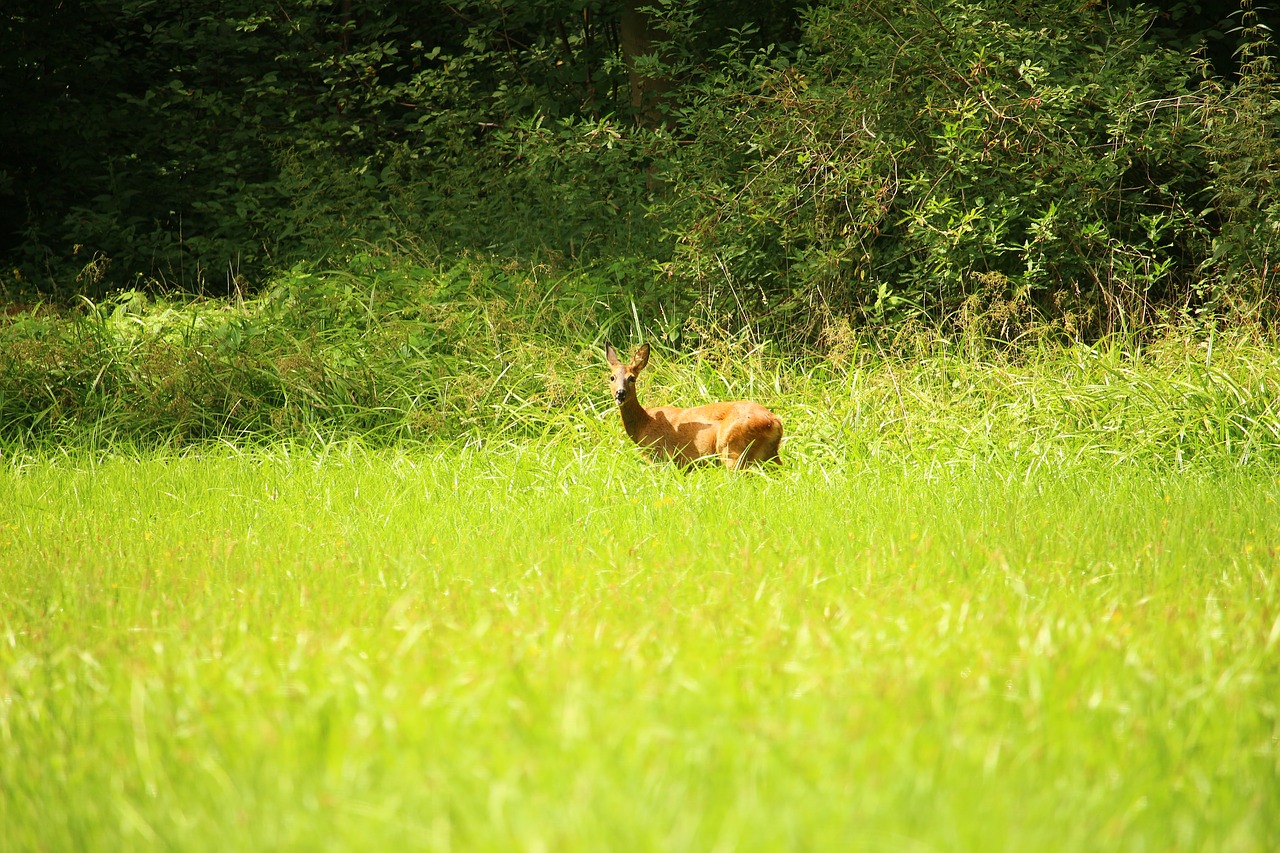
636	38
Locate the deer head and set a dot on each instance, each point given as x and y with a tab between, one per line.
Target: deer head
622	377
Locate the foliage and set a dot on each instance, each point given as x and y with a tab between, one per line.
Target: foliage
202	142
203	145
1028	167
1242	145
918	157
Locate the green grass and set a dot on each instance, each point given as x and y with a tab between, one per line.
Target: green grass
392	352
548	644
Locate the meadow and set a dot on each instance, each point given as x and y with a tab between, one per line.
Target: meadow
319	530
981	606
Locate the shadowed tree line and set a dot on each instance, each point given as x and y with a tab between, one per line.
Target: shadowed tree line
778	164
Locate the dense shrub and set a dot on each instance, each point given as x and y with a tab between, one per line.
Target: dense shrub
961	160
999	167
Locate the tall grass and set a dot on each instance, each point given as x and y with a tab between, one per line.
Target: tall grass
392	353
368	561
384	351
551	645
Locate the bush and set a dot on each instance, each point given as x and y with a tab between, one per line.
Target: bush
946	160
1240	128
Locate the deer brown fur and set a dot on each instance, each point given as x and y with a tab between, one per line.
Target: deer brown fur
738	433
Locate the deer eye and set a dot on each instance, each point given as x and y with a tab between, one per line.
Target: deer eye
631	380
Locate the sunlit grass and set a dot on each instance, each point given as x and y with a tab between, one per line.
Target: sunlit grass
405	355
553	645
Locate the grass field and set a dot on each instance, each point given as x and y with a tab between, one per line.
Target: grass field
552	645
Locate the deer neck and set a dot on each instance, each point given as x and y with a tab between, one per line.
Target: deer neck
634	416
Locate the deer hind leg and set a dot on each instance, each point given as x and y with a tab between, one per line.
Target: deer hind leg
750	440
760	451
735	457
730	451
766	449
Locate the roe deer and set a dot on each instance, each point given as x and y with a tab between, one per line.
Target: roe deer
738	433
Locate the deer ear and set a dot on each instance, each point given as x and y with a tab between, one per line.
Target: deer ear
641	359
610	355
